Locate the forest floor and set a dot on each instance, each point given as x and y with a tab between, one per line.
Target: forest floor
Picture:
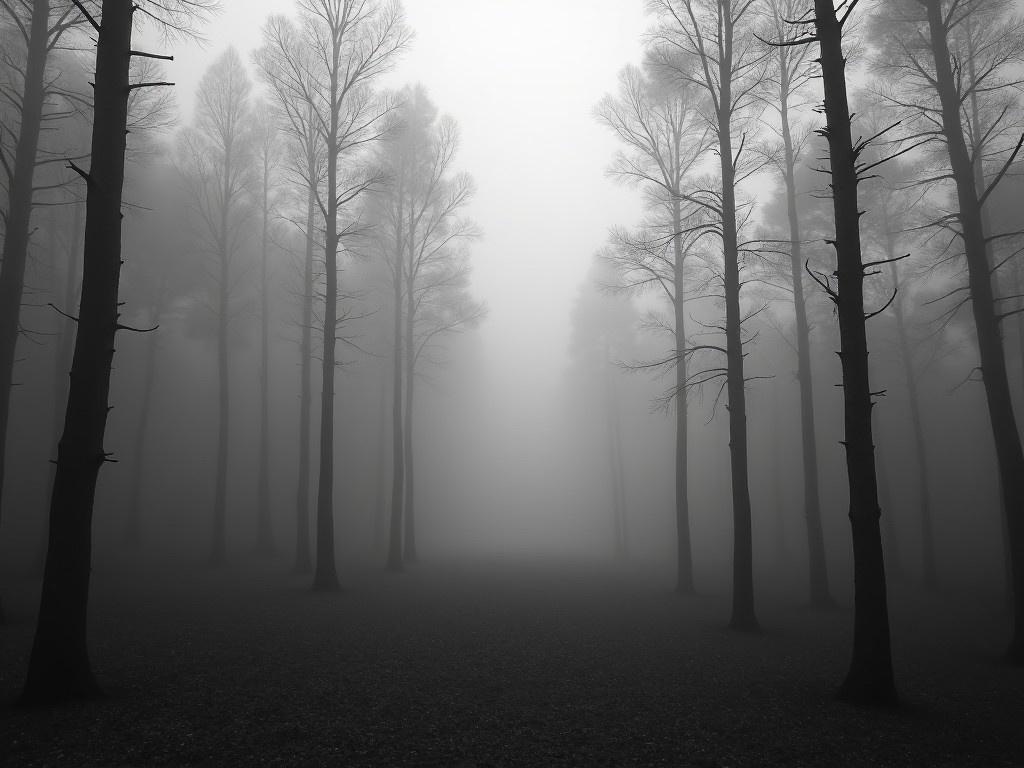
526	663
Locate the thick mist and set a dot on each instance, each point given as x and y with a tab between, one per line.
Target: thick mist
458	382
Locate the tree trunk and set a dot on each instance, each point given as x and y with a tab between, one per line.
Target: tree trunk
265	532
890	540
62	360
325	578
743	617
218	553
870	678
398	445
19	213
817	572
913	403
379	506
59	664
303	559
986	320
409	529
133	528
684	553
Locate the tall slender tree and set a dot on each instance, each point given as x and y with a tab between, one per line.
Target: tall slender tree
710	44
217	156
330	59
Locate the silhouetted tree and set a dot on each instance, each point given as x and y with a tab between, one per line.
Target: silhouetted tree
59	663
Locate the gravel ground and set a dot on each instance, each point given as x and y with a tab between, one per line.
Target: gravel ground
512	663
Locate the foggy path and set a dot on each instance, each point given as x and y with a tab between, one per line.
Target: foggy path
495	661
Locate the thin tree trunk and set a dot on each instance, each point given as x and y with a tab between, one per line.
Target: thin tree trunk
218	553
743	616
19	212
684	553
265	532
59	664
409	528
817	572
398	445
913	401
986	321
133	528
870	678
379	506
325	578
303	559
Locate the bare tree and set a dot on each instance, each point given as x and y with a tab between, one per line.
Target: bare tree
926	43
59	663
788	78
656	120
216	158
329	61
870	678
709	43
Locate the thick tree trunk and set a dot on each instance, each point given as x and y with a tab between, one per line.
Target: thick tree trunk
870	678
19	212
684	552
409	528
59	664
264	532
397	443
62	360
133	526
303	559
986	320
325	578
743	616
817	572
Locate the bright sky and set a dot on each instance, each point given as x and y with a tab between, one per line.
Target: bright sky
521	77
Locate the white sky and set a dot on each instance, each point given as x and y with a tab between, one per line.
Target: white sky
521	77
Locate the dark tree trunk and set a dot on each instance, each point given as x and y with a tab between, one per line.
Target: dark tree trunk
133	527
325	578
817	572
19	211
890	539
409	528
62	360
870	678
59	664
397	443
303	559
743	616
1009	454
264	531
684	553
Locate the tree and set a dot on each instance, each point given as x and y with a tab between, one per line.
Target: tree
657	122
420	229
870	678
926	42
29	99
217	156
788	78
59	665
267	148
708	43
330	61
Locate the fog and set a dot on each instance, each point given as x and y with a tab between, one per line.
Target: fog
575	347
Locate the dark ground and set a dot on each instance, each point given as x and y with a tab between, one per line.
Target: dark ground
510	663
